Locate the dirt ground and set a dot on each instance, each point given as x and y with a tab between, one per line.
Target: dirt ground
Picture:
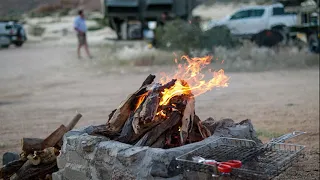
43	86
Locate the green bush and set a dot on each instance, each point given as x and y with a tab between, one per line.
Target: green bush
183	36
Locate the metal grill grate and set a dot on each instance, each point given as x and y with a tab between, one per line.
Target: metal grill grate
263	162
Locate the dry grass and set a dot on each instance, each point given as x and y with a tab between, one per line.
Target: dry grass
248	57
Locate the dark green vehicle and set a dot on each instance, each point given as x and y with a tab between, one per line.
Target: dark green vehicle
130	17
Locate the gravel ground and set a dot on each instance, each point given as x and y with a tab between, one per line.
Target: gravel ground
43	86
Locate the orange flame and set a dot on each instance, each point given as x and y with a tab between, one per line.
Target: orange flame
140	99
190	72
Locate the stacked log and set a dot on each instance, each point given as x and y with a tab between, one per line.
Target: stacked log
142	121
38	156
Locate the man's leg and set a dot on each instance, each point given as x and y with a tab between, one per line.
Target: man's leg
78	50
85	44
87	50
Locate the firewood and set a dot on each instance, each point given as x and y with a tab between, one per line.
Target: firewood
165	86
54	137
29	145
8	170
103	130
127	131
151	136
195	134
29	171
45	156
187	120
35	160
211	125
73	122
204	127
119	117
144	117
160	143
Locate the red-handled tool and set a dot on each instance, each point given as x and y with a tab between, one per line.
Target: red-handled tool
225	167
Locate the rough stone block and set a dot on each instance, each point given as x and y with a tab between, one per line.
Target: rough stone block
76	172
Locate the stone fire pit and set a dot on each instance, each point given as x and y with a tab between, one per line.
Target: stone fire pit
86	157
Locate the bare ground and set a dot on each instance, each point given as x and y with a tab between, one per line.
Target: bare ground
43	86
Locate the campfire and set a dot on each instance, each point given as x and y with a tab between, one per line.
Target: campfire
162	114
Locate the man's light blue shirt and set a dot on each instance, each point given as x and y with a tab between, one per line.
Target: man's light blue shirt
80	24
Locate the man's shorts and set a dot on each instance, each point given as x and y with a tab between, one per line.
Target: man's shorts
82	39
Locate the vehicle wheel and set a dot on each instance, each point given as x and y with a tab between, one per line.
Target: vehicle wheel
313	43
267	38
284	33
18	44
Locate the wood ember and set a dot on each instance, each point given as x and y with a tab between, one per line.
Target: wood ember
38	157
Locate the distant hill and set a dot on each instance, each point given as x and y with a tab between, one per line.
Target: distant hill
14	7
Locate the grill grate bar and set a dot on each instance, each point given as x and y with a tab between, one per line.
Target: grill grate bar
259	162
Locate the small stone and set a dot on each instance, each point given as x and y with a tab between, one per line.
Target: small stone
9	157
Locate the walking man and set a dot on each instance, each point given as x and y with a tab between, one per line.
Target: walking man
81	28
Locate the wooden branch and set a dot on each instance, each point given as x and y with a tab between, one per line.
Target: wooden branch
8	170
151	136
122	113
28	171
29	145
54	137
187	120
73	122
103	130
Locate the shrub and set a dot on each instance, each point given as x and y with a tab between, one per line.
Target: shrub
36	30
45	10
181	35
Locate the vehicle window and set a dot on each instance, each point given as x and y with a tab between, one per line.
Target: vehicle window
256	13
278	11
240	15
8	27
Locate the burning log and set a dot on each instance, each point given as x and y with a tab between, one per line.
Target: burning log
150	137
187	120
144	118
119	117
